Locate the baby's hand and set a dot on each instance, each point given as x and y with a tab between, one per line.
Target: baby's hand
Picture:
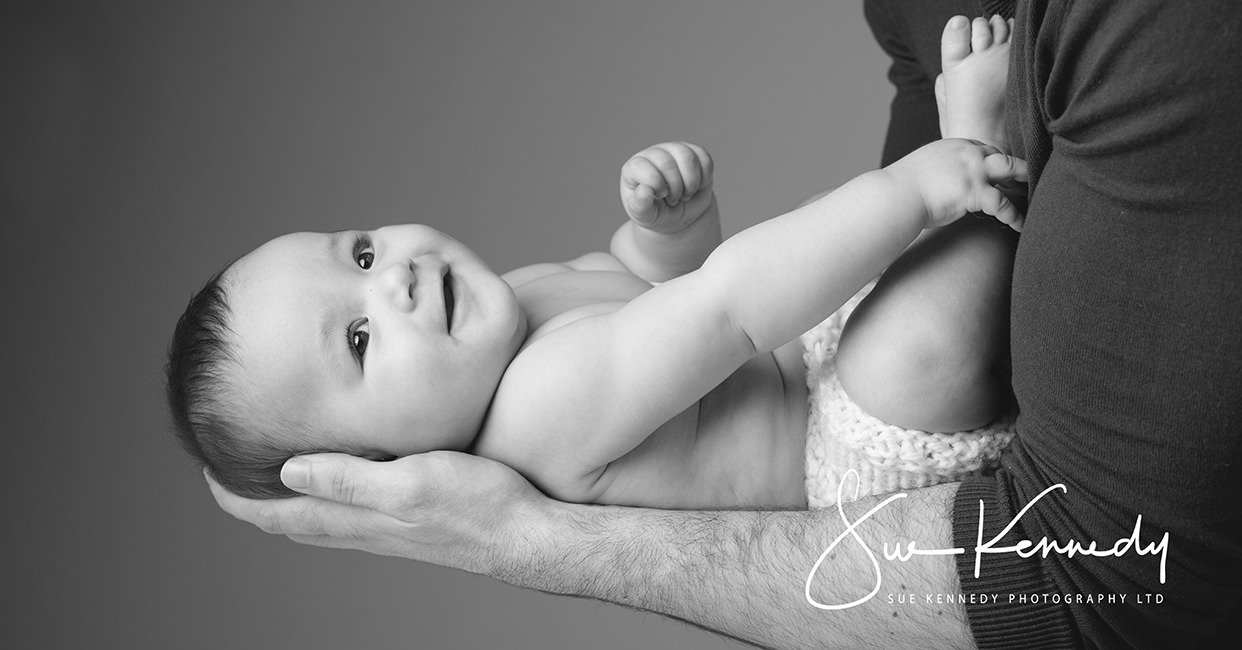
667	187
955	176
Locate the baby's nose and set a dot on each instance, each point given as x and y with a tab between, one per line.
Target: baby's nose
397	282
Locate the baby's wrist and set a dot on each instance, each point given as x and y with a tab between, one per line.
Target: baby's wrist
1001	145
905	181
693	221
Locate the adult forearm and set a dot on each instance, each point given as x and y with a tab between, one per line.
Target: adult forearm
744	573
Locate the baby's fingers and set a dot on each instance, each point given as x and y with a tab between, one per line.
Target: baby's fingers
641	205
1000	168
995	203
639	171
670	171
706	165
688	167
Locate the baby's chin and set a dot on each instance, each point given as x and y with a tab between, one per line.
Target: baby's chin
458	440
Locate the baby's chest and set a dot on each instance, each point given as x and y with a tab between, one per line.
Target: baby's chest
740	445
556	300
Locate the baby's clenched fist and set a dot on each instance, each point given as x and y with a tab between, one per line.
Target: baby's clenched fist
667	187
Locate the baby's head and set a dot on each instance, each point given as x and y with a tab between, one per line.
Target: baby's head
379	344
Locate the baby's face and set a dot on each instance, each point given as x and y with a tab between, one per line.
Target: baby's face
393	341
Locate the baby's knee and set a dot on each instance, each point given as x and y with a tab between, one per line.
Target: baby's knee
958	375
929	375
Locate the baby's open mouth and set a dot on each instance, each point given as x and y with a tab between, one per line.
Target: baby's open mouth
448	301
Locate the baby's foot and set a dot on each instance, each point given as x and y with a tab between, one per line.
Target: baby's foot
970	93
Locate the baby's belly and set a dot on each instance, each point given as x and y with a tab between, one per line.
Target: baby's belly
742	445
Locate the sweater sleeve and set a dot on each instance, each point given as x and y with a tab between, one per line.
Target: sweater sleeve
909	33
1127	355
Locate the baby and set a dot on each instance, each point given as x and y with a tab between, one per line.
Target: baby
592	382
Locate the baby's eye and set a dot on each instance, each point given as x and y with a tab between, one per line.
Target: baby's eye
364	255
358	340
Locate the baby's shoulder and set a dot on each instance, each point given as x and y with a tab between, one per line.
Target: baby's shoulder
542	414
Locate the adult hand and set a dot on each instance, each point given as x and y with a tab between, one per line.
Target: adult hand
448	508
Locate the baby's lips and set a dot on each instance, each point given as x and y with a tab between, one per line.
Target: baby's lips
449	291
428	273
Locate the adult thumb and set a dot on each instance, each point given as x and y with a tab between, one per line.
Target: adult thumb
339	477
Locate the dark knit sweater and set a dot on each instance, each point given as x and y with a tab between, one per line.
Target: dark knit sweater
1126	316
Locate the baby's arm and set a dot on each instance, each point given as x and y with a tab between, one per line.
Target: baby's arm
601	385
785	275
674	224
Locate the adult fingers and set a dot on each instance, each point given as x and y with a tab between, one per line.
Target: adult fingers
300	515
341	478
322	541
251	510
325	541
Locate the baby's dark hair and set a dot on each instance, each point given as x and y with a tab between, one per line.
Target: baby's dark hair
240	457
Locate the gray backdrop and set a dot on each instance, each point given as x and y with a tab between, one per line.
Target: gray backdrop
145	144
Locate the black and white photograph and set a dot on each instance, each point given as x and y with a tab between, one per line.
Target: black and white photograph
693	324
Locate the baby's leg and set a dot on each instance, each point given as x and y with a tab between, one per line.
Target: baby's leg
929	348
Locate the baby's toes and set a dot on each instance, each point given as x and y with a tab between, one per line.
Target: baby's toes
1000	29
980	34
942	103
954	42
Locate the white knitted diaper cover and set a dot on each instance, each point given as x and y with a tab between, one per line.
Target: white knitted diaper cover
841	436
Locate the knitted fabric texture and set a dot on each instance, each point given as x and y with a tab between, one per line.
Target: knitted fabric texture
841	436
